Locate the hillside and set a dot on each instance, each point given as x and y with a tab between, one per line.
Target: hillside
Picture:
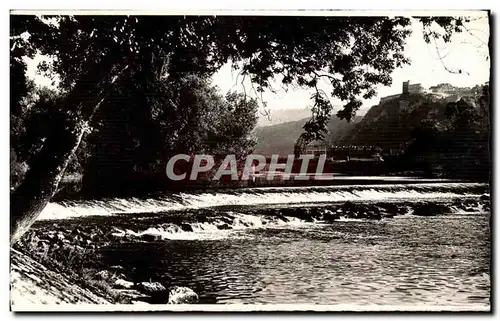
339	130
390	124
280	116
281	138
278	139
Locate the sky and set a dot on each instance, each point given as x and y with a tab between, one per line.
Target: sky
468	52
465	51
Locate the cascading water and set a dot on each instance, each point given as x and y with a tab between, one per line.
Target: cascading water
263	196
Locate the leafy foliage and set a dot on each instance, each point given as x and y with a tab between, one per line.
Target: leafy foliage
146	124
353	54
448	26
153	55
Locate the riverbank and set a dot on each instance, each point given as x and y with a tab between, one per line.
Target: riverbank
66	276
32	283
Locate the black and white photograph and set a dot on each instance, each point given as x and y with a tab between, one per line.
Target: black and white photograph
259	160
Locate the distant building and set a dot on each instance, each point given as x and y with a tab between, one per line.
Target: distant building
443	89
356	152
412	88
447	90
406	84
316	148
416	88
408	88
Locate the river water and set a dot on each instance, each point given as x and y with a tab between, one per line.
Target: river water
237	252
408	260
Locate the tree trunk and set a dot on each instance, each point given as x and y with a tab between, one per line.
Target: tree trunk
42	179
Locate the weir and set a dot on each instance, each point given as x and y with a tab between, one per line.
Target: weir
288	196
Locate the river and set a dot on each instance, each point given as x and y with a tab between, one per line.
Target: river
303	245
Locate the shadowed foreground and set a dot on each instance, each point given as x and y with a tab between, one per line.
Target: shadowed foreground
33	284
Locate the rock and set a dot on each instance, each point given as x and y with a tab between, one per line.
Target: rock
288	211
182	295
282	217
119	276
227	219
404	209
388	215
122	284
430	209
151	287
245	224
186	227
374	215
103	275
471	203
485	197
348	207
223	227
460	204
43	243
329	216
361	214
422	211
149	237
388	208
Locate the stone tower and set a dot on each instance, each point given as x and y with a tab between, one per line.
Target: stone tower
406	85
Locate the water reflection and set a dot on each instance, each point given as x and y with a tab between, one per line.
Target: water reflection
440	260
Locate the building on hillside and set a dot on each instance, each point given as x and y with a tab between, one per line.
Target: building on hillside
448	90
412	88
406	84
316	148
444	88
408	88
416	88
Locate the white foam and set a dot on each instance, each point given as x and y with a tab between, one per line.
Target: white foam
479	209
205	231
259	196
348	219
